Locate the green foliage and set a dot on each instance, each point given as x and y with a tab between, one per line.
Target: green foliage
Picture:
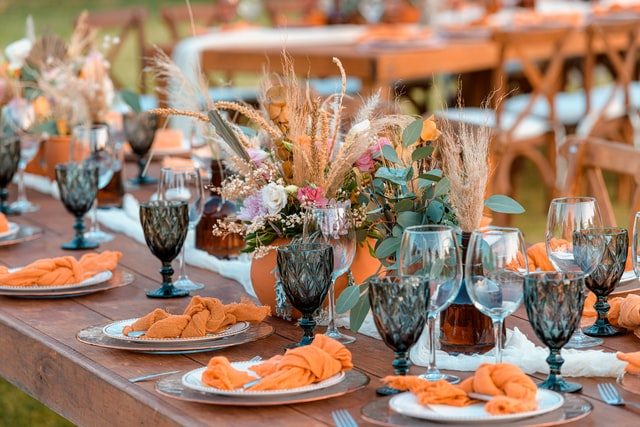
503	204
132	99
411	133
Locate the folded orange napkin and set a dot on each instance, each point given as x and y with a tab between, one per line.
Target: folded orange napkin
60	271
318	361
177	162
538	259
633	361
512	390
202	316
167	139
4	223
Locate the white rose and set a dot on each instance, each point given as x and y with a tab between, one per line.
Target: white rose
274	197
17	52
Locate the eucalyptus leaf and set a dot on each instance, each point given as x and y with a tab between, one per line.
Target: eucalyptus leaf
132	99
411	133
442	187
387	247
390	154
404	205
347	299
407	219
503	204
397	231
421	153
359	312
396	176
435	212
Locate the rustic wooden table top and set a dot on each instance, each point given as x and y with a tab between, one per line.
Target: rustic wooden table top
89	385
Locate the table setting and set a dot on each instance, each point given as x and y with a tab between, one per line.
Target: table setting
452	320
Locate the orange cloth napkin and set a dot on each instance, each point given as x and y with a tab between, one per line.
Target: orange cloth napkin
393	33
512	390
4	223
318	361
202	316
167	139
177	162
633	361
60	271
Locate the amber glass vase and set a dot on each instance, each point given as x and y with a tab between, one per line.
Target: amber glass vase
216	209
463	329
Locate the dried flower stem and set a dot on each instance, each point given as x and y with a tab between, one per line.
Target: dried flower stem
175	112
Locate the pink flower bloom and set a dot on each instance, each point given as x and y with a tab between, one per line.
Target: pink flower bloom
257	155
312	196
366	162
376	148
252	207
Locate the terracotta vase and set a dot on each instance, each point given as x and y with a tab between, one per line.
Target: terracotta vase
264	280
56	150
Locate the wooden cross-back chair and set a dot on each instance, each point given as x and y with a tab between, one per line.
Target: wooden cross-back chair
541	54
130	22
588	158
294	13
610	118
178	20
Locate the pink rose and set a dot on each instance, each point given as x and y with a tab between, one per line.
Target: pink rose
312	196
365	162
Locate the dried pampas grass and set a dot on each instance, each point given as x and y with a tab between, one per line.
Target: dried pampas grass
464	150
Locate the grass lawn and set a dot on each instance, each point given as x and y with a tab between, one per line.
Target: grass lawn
18	409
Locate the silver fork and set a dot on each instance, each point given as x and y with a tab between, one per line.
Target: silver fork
611	396
343	418
162	374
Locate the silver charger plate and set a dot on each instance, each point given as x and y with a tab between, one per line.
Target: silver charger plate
96	279
95	335
119	278
12	231
172	387
25	233
114	330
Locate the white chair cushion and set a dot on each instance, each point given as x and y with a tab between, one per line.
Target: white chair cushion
530	127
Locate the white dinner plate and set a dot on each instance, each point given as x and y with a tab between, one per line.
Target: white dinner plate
407	404
101	277
12	231
193	380
114	330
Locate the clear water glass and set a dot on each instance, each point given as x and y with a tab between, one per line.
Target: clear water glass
371	10
431	252
495	268
29	146
93	144
333	225
184	184
566	216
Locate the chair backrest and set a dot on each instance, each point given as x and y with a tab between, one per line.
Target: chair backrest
588	158
129	22
293	13
531	48
205	14
604	39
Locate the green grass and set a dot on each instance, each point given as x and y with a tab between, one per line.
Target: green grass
18	409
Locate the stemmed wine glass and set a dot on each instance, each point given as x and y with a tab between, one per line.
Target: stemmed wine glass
29	146
495	267
566	216
140	131
184	184
92	144
430	252
371	10
399	306
334	226
165	225
9	159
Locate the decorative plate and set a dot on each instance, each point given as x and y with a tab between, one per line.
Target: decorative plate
114	330
12	231
25	233
101	277
407	404
193	380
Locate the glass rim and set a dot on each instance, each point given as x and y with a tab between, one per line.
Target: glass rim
180	168
569	275
346	206
606	231
428	229
496	229
304	247
395	279
573	200
83	165
163	203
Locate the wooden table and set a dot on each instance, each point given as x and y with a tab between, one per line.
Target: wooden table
88	385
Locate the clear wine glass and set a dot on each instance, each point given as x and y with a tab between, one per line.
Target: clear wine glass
495	269
431	252
334	226
184	184
567	215
371	10
29	146
635	261
92	144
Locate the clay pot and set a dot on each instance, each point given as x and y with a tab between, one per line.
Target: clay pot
263	277
56	150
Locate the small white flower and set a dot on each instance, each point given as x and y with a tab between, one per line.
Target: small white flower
17	52
291	189
274	197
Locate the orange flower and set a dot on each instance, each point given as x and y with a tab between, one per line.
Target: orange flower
430	131
41	107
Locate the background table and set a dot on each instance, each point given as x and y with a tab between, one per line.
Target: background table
89	385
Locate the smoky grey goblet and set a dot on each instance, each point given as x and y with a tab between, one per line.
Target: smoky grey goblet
9	160
608	272
78	185
399	305
554	303
139	131
165	225
305	271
